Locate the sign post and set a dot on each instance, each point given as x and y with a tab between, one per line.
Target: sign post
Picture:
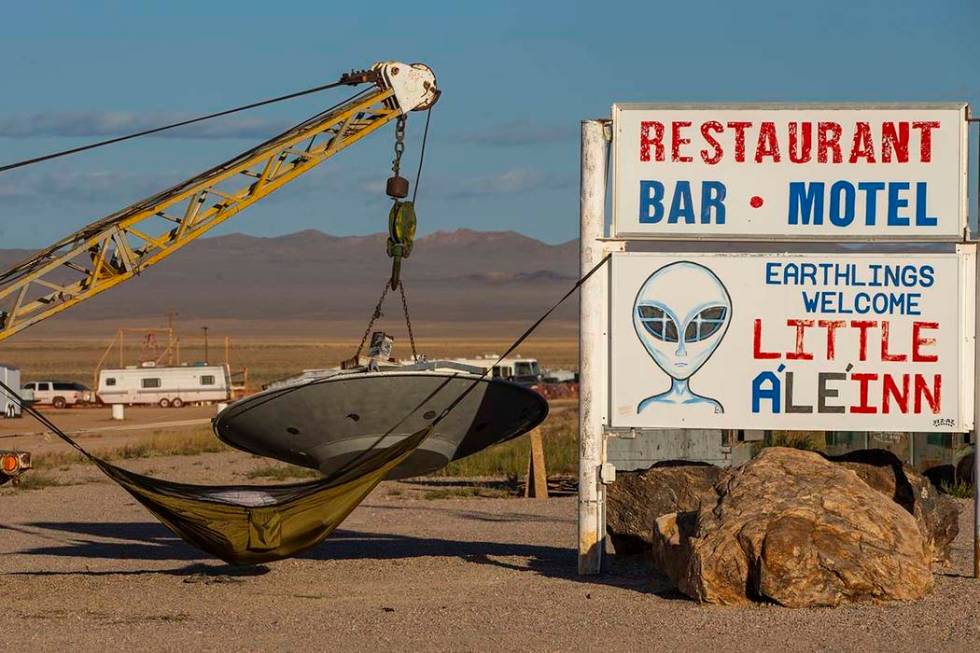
976	426
591	530
874	330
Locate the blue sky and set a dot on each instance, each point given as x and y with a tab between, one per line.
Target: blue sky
518	77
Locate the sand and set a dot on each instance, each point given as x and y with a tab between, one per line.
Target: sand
84	568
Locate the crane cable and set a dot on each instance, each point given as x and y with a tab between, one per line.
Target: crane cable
91	146
415	191
425	139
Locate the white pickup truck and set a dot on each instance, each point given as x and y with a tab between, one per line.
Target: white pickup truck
60	394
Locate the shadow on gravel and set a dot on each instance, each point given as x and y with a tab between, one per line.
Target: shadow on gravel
151	541
554	562
145	541
196	573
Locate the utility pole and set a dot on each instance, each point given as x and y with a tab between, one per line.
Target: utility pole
205	329
171	318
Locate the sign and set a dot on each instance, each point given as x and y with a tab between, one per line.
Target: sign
833	342
790	172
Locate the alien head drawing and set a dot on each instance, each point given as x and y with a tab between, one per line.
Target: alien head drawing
681	314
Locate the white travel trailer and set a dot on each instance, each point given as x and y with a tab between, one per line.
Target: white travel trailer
165	386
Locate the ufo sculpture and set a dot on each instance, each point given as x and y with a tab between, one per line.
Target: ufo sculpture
326	422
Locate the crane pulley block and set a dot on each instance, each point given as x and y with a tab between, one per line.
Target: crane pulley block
401	236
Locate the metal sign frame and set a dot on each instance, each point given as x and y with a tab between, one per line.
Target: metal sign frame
594	311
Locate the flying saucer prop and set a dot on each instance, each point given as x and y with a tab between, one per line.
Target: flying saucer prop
329	423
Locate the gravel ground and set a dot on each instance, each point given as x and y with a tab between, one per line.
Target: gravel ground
84	568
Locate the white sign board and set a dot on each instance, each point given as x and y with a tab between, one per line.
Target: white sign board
835	342
793	172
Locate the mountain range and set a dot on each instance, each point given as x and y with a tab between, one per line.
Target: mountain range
460	280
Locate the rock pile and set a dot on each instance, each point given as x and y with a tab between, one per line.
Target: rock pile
935	514
635	501
789	526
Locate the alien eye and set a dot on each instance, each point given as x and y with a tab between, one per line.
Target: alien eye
705	323
657	323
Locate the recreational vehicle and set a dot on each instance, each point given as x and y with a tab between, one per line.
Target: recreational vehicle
521	370
165	386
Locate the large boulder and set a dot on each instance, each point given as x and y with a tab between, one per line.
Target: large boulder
936	514
794	528
636	499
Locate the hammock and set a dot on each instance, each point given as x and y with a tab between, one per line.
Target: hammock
252	524
249	524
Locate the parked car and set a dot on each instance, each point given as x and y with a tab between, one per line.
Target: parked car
60	394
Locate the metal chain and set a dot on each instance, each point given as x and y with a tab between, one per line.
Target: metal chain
408	320
395	166
374	317
377	314
399	143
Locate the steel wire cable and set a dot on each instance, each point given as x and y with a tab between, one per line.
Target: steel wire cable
425	139
182	123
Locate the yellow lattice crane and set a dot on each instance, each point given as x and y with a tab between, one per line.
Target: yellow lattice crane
119	246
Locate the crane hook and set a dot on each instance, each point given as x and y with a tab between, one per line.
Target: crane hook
401	236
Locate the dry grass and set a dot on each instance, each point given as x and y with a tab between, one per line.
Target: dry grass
267	358
160	443
282	472
470	492
804	440
960	490
509	460
34	480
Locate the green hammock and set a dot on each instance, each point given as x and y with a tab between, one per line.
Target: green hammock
251	524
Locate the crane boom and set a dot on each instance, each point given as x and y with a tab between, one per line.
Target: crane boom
123	244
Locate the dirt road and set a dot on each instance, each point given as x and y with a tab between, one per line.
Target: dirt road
84	568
